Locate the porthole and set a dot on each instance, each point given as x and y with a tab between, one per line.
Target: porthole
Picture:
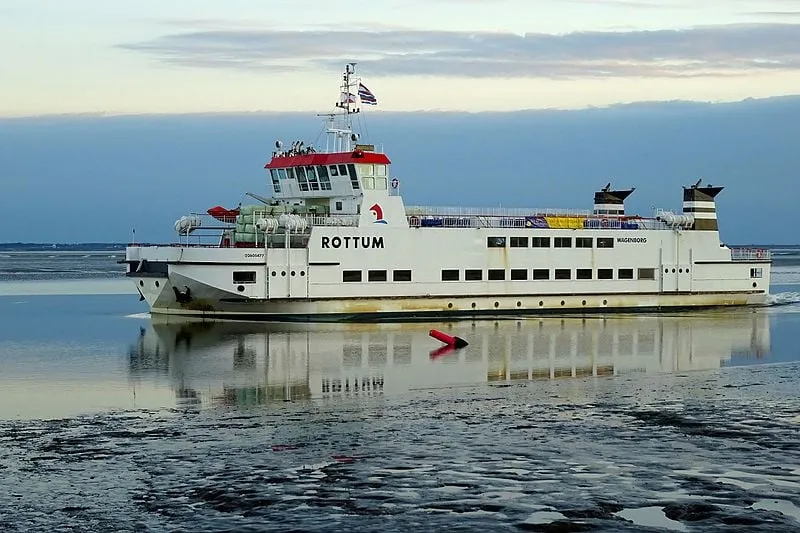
283	273
666	271
496	305
450	305
474	305
673	270
680	271
583	302
294	273
519	304
274	273
302	273
541	303
562	302
141	283
157	284
755	284
605	302
687	270
240	288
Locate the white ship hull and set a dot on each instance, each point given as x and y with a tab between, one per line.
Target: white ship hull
690	270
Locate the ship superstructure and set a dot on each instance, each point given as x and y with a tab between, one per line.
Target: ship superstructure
335	241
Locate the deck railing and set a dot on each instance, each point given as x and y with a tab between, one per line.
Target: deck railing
750	254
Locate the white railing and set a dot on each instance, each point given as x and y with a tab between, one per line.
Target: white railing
493	211
750	254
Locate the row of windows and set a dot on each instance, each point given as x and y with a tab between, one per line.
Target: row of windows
544	242
515	274
349	276
521	274
318	177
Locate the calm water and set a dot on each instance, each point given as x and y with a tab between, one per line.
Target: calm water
111	421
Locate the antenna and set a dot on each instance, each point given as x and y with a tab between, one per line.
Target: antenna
607	187
696	185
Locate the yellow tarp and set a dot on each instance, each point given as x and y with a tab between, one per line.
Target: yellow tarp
565	222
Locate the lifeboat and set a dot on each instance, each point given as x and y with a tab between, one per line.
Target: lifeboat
224	215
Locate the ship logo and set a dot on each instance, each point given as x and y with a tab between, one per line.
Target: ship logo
378	210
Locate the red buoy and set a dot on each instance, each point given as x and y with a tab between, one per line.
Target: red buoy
450	340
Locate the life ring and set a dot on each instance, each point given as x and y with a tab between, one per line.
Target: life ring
759	254
603	222
413	221
395	183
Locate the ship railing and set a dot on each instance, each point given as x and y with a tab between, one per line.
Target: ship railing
750	254
421	217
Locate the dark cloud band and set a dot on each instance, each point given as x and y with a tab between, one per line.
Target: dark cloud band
705	51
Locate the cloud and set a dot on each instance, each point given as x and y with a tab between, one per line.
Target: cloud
726	50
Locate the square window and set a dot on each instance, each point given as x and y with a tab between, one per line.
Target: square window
240	277
583	273
349	276
563	273
518	274
496	274
376	275
647	273
450	275
562	242
496	242
605	273
541	273
540	242
583	242
605	242
401	275
473	275
519	242
625	273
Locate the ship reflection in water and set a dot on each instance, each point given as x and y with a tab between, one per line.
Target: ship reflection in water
249	363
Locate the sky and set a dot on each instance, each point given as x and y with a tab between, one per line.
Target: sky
122	115
187	56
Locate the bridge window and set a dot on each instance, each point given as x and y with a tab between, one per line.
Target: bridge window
282	173
335	170
519	274
647	273
247	276
351	276
338	206
351	168
473	275
450	275
605	273
402	275
324	180
380	184
625	273
496	274
541	273
311	173
519	242
583	273
376	275
540	242
605	242
380	170
563	273
290	174
756	272
369	183
276	185
301	178
496	242
562	242
583	242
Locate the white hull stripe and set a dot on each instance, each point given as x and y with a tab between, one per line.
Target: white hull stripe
699	204
705	216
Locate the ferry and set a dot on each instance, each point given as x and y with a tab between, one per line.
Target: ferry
334	241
